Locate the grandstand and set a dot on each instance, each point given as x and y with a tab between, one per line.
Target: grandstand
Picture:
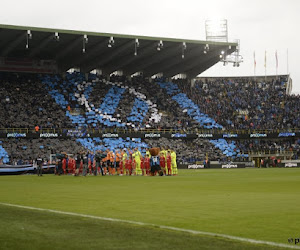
124	91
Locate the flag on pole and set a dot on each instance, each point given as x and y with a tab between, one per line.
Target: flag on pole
265	59
276	59
254	59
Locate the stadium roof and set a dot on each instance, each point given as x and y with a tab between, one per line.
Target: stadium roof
68	51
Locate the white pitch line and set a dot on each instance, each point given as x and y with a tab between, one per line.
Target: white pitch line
253	241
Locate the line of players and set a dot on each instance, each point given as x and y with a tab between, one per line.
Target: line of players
120	162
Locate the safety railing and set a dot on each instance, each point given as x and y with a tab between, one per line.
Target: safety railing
150	130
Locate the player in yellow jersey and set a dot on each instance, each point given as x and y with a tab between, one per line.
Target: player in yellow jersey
137	157
164	153
173	163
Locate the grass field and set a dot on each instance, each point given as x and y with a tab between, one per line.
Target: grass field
261	204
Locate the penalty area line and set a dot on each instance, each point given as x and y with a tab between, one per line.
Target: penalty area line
195	232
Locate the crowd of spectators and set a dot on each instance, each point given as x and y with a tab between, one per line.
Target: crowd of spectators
243	103
273	146
25	103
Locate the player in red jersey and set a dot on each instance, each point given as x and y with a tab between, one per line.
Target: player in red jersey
129	166
64	165
169	162
70	166
147	165
143	166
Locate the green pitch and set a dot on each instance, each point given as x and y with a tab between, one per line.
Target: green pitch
260	204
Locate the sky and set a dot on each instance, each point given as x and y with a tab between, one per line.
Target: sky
260	25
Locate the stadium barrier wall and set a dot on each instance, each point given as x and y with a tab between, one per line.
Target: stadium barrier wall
283	164
217	165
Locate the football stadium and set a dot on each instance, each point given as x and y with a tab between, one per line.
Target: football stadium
115	141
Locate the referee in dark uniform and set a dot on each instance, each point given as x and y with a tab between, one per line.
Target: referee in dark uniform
78	161
39	162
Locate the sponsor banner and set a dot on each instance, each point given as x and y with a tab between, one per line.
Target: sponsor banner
48	135
195	166
258	135
16	135
110	135
287	134
218	165
75	133
290	165
230	135
205	135
178	135
152	135
181	136
229	166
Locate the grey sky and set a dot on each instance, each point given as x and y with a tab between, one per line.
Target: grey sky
260	25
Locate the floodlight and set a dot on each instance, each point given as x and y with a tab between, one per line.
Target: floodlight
111	42
85	38
183	49
206	48
136	45
85	41
56	36
160	45
29	35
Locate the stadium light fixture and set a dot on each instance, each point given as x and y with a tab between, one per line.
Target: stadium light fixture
136	45
206	49
235	58
222	52
85	41
28	36
160	45
111	42
183	49
56	36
